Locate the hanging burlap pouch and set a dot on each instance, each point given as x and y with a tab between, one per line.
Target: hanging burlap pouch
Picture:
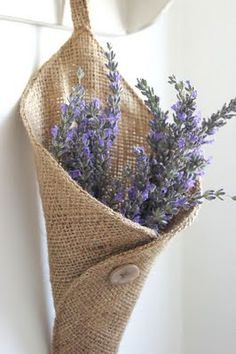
98	259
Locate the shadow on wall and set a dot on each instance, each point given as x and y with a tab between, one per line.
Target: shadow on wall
24	303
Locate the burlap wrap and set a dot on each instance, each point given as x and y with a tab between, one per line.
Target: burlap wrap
87	240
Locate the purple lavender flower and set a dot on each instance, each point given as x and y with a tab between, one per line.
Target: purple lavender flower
179	175
54	131
157	135
101	142
190	183
145	194
75	174
192	138
181	116
108	133
137	218
69	135
96	103
64	108
116	76
119	197
132	192
85	139
86	152
112	118
197	118
176	107
213	131
194	94
180	202
181	143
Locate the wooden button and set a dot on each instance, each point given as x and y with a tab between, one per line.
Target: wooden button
124	274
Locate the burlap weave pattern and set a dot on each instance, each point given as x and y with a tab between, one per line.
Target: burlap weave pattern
86	239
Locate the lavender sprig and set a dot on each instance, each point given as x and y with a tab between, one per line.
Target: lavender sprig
219	119
85	135
176	159
139	188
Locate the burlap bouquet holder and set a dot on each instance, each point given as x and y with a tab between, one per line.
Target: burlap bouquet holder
98	259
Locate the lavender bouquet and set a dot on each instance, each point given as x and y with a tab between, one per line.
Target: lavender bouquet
163	180
98	259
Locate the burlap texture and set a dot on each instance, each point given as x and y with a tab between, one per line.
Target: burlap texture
86	239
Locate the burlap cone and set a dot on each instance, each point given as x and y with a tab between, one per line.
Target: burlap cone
87	240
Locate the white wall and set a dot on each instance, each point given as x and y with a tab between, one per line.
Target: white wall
208	53
188	304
